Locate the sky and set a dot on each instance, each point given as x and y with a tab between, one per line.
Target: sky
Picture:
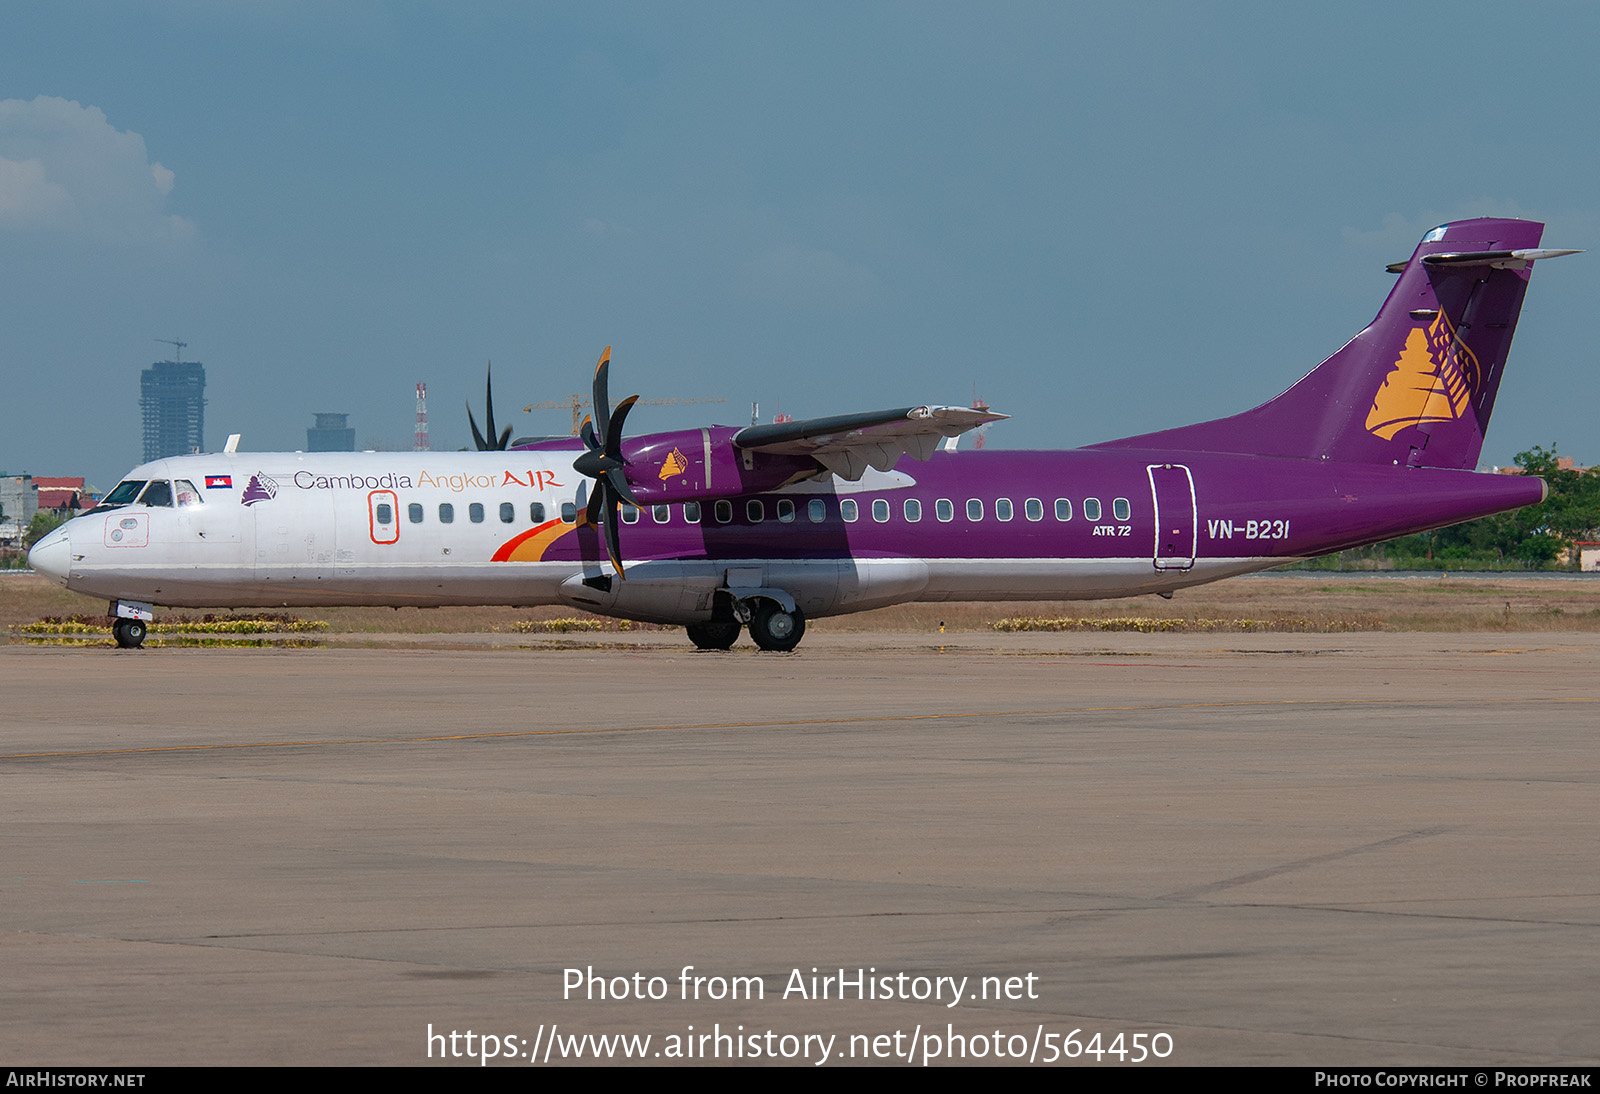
1102	219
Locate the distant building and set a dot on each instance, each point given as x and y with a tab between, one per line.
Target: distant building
19	500
61	494
331	434
172	401
19	497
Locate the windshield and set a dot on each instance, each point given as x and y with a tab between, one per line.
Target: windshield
124	494
158	493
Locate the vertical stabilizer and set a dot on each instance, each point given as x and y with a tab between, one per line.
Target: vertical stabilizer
1418	385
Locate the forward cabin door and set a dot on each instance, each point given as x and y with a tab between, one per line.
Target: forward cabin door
1177	526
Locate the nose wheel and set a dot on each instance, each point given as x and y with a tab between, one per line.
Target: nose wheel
129	633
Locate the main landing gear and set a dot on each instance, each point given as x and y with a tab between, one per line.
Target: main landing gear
776	630
129	633
773	626
714	636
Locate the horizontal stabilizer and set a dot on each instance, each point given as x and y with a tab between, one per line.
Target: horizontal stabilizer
1499	260
848	444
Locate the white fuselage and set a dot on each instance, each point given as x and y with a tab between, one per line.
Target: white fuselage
431	529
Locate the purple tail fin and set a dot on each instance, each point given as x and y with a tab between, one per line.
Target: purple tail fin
1417	386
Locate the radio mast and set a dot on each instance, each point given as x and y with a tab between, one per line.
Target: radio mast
419	442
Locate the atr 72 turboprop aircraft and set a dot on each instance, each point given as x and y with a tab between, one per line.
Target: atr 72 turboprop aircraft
763	527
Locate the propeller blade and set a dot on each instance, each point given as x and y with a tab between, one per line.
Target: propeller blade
493	442
601	398
613	544
477	438
617	479
488	402
601	460
613	446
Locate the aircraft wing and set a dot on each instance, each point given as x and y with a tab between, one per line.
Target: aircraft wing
848	444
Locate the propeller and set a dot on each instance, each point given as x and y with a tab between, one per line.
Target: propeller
602	461
493	443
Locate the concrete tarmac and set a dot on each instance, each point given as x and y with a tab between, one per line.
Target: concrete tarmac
1364	849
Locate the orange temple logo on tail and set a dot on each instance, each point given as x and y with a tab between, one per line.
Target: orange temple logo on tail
1432	380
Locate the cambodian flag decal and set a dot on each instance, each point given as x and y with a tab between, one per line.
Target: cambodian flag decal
219	482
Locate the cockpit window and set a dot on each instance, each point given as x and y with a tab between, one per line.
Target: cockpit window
124	494
187	494
157	495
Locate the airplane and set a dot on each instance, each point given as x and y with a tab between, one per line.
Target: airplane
722	529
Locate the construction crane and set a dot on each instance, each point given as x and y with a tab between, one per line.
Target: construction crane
177	345
579	405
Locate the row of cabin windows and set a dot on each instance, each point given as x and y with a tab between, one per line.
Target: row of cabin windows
755	511
475	513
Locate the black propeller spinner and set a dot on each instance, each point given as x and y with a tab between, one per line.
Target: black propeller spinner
493	443
602	461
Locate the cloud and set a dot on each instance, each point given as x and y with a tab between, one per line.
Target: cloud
808	278
65	169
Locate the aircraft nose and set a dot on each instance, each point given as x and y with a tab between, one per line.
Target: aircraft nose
52	556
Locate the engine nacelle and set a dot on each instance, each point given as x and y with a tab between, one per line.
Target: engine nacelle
704	464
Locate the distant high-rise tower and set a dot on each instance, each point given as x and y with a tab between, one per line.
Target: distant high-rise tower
172	401
331	434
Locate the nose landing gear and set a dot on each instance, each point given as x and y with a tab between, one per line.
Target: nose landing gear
129	633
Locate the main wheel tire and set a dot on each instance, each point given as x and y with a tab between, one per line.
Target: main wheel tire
775	629
129	633
713	636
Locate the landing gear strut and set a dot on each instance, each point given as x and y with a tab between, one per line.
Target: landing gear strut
776	630
129	633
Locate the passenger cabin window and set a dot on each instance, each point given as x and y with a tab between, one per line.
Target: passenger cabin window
475	512
1063	509
1033	509
1091	508
630	515
157	494
536	512
945	510
569	513
785	511
723	510
880	510
1120	509
414	512
817	510
974	509
385	513
691	512
913	510
187	494
848	510
661	513
754	511
1002	509
508	512
447	512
